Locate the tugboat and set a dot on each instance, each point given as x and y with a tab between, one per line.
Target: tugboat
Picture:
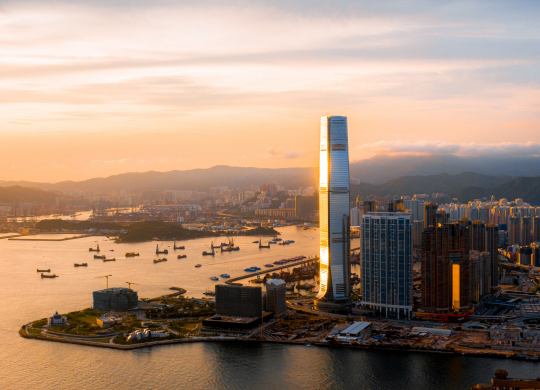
96	249
214	278
49	276
81	265
182	256
131	254
164	251
178	247
44	270
159	260
103	257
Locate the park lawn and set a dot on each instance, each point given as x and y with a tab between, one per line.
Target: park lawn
34	331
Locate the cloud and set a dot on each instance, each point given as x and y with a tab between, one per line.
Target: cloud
527	149
280	153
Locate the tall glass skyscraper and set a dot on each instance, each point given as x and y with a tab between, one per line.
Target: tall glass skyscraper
334	210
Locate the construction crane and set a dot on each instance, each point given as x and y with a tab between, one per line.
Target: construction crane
129	288
105	276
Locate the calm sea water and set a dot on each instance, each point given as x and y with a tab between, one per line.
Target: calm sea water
30	364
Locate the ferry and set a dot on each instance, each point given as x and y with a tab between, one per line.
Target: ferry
131	254
225	275
198	265
81	265
182	256
214	278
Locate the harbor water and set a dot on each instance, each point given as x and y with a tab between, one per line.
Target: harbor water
32	364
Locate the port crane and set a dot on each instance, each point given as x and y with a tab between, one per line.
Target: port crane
105	276
129	288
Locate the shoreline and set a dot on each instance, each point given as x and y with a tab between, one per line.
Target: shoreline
23	333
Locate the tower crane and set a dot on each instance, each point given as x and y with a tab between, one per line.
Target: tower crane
105	276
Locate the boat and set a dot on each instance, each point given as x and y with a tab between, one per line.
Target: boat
131	254
81	265
225	275
305	228
249	270
269	265
214	278
44	270
209	293
105	260
160	260
96	249
100	257
178	247
164	251
49	276
206	253
182	256
261	246
255	242
276	238
198	265
111	250
256	268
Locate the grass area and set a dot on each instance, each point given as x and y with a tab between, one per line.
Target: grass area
39	323
34	331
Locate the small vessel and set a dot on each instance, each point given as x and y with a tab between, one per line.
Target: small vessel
209	293
49	276
111	250
182	256
104	260
81	265
225	275
131	254
206	253
44	270
214	278
100	257
305	228
255	242
198	265
164	251
261	246
96	249
178	247
255	268
159	260
269	265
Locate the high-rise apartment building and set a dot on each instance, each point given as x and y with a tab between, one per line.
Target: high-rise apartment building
514	230
430	217
334	210
536	229
417	229
526	236
478	236
492	246
441	218
370	206
387	263
306	206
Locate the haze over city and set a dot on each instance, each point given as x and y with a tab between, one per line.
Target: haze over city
93	88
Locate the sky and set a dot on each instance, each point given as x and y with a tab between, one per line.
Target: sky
97	88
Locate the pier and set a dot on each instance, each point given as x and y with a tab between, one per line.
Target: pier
269	270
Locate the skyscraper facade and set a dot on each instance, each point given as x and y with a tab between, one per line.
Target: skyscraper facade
478	238
526	236
430	217
386	267
492	246
536	229
514	230
334	210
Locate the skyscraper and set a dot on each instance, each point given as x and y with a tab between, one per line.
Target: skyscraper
536	229
514	230
387	263
334	210
478	237
492	246
430	211
526	236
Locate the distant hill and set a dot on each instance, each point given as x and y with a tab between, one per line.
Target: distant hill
527	188
17	194
443	182
194	179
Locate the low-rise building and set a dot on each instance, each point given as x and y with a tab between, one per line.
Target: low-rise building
57	320
115	298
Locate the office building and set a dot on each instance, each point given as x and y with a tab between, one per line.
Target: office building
386	265
430	217
334	210
115	298
276	297
239	301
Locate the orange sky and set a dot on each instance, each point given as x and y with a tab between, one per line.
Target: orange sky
93	89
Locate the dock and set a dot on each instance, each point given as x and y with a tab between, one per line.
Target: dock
270	270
